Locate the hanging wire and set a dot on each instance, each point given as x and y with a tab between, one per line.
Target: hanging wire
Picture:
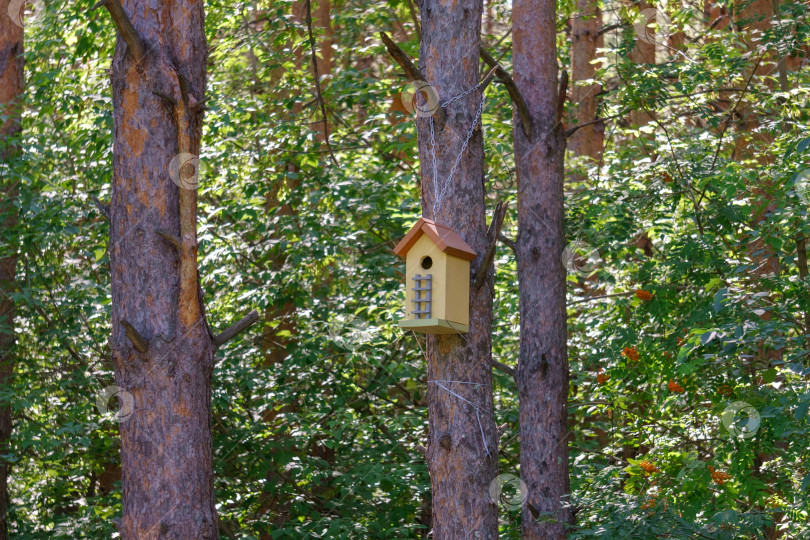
478	409
438	196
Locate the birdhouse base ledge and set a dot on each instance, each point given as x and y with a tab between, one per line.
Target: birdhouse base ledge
434	326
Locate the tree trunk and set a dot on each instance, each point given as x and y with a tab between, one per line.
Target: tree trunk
162	349
644	53
11	88
462	447
585	39
542	373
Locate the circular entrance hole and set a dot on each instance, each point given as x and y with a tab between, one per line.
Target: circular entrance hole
427	262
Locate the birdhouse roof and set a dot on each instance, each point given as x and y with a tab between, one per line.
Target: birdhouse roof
445	238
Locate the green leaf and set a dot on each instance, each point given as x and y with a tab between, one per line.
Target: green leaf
719	298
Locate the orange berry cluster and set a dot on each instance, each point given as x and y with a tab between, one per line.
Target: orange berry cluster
648	467
675	387
602	377
719	477
630	353
644	295
650	503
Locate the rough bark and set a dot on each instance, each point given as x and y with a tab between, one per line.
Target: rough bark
11	88
166	442
542	374
585	39
462	438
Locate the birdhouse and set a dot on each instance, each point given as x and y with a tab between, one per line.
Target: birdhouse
437	277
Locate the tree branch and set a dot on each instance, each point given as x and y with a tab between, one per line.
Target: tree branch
103	208
606	29
488	79
413	74
492	235
570	131
510	243
728	120
562	95
503	367
415	19
138	341
172	239
318	93
124	26
236	328
514	92
164	97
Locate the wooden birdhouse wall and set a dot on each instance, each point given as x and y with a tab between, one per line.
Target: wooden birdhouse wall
450	291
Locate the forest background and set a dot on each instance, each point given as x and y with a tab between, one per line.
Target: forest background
688	300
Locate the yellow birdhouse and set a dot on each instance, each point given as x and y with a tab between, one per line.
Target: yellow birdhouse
437	277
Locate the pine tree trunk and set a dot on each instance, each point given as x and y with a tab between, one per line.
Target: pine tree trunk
588	140
643	52
156	305
542	374
462	446
11	88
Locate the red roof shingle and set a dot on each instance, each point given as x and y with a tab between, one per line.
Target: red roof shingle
445	238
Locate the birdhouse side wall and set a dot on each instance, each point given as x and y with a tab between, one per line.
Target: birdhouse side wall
457	297
424	247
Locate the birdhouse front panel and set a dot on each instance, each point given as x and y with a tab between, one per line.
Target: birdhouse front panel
426	264
437	276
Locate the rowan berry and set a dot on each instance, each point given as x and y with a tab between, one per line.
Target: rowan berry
648	467
719	477
643	295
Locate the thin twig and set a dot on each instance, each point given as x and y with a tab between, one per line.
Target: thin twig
124	26
617	295
413	74
507	242
492	236
415	19
103	208
237	328
514	92
318	93
138	341
728	119
570	131
503	367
